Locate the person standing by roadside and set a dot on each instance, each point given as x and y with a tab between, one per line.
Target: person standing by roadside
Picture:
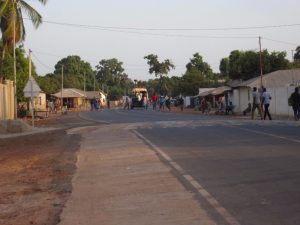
145	102
266	99
295	103
154	101
161	103
181	103
256	103
168	103
126	105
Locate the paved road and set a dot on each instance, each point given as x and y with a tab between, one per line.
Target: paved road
243	172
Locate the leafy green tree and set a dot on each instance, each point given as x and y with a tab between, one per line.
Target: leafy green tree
74	71
224	66
110	72
115	93
50	83
22	70
297	54
160	69
197	63
192	80
11	11
246	64
111	76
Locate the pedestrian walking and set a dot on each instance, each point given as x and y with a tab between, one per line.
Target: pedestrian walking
126	105
266	99
256	104
294	101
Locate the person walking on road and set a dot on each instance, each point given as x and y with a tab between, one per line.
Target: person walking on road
266	99
295	103
256	103
127	103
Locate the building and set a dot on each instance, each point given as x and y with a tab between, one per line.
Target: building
71	97
7	100
280	84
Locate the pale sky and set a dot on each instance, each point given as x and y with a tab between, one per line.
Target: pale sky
51	42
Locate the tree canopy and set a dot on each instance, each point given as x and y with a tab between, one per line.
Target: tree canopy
111	76
197	63
246	64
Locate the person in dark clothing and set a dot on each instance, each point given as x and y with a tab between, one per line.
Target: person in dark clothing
295	102
181	103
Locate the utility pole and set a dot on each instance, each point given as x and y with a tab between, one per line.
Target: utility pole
293	59
31	87
30	52
15	65
62	86
84	90
260	59
95	81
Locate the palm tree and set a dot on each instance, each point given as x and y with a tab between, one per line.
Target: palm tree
10	12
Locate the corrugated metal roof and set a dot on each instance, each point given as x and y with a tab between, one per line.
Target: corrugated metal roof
70	93
220	90
280	78
94	94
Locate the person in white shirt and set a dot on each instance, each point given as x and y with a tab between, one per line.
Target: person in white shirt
256	103
266	98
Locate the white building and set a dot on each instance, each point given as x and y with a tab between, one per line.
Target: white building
280	84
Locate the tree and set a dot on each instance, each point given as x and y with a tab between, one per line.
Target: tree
197	63
224	66
159	68
192	80
22	70
297	54
246	64
74	71
50	83
110	74
11	11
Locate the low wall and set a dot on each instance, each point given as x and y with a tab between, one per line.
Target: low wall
7	100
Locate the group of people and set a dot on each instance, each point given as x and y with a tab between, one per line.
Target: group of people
261	102
155	102
95	104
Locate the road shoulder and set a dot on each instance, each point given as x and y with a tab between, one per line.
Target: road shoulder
120	180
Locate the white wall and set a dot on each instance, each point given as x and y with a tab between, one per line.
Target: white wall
278	105
279	102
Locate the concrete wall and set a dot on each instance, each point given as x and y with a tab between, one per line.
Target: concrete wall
279	102
7	100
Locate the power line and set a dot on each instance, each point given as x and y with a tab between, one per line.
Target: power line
43	64
278	41
173	29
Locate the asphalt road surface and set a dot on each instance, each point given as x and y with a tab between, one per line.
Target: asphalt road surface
242	171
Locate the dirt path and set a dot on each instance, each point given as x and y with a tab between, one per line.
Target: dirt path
36	172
